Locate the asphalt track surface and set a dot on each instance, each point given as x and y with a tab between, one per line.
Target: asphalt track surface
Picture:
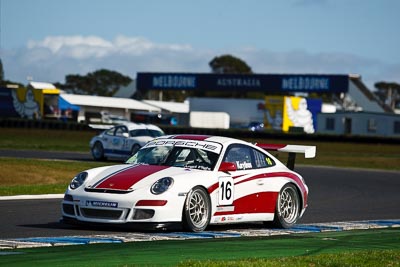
336	195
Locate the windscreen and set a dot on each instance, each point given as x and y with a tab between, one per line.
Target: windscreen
177	155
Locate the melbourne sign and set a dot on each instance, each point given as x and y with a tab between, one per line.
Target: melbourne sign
268	83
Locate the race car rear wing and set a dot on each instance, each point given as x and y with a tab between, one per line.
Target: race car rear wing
308	151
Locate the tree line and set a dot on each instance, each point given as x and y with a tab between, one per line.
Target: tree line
105	82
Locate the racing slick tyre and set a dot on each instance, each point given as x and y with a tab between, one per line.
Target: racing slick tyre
197	210
98	151
287	209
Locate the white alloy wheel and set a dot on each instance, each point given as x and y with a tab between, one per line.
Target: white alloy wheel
287	207
197	210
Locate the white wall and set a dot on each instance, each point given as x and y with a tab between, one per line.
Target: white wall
241	111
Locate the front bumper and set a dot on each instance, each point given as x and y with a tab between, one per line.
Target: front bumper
132	207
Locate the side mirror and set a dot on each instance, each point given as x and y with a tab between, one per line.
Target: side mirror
227	167
126	135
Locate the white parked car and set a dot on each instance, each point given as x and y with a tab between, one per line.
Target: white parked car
122	141
194	181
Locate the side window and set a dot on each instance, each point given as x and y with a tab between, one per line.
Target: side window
241	156
133	133
110	131
140	132
120	130
261	160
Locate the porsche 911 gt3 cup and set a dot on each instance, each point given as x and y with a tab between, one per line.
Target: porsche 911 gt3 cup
193	180
123	140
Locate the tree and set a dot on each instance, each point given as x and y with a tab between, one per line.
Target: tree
227	64
388	93
101	82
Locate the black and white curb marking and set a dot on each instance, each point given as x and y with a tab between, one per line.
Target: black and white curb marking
137	237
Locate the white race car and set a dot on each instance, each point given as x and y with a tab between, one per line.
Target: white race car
193	180
122	141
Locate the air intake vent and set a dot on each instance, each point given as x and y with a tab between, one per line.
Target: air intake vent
101	213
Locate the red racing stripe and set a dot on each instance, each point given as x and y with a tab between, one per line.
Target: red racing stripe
264	175
127	178
215	186
282	174
271	146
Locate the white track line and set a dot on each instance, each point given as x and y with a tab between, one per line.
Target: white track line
28	197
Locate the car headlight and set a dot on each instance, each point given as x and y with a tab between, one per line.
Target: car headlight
78	180
161	185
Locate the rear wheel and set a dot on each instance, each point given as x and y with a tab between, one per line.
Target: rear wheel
98	151
287	207
197	210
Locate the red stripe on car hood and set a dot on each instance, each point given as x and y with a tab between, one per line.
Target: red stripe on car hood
125	179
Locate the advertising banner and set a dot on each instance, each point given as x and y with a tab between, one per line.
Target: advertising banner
29	103
273	112
301	112
21	102
268	83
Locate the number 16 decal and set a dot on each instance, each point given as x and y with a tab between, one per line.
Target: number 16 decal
226	190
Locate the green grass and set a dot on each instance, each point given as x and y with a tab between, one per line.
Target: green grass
369	258
356	155
35	176
349	248
40	139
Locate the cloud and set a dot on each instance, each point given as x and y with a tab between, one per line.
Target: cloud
84	47
54	57
56	43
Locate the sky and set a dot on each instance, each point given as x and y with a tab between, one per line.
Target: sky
45	40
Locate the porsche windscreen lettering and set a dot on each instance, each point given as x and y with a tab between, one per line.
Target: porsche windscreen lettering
209	146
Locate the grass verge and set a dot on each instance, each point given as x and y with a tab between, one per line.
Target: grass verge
34	176
40	139
349	248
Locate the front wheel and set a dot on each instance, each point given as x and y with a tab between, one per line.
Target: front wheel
197	210
98	151
287	207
